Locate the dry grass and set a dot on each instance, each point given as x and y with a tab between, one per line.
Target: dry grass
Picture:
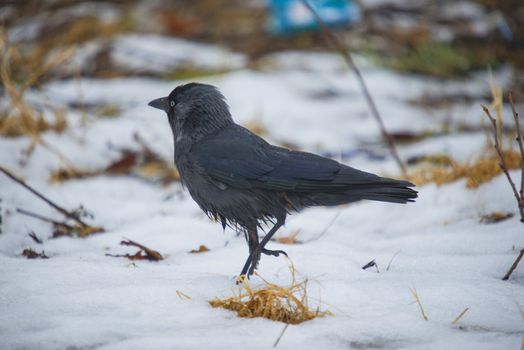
73	32
442	169
283	304
18	117
417	300
82	231
460	316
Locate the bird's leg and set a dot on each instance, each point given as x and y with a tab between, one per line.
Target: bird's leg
252	241
248	266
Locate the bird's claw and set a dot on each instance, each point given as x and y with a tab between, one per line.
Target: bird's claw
241	279
273	252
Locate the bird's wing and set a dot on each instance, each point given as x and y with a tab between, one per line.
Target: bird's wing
242	164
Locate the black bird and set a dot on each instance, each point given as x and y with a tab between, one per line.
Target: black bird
242	181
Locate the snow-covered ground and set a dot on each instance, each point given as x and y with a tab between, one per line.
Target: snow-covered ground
80	298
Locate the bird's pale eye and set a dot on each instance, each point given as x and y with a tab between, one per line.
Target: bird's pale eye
172	103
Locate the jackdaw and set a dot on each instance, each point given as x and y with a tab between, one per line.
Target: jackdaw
241	180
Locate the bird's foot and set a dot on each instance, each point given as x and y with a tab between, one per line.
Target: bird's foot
254	265
273	252
249	268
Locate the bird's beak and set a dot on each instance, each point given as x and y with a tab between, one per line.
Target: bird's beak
160	103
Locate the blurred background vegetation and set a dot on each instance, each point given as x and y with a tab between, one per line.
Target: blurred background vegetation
446	39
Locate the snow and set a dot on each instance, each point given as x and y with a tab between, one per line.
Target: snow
80	298
158	53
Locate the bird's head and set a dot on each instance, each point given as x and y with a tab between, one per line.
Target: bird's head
194	110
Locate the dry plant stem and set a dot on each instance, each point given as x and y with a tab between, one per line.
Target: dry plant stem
514	265
70	215
339	45
183	295
391	260
460	316
417	299
280	336
43	218
521	149
502	163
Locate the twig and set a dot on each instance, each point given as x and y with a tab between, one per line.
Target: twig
34	237
518	194
340	47
281	334
68	214
150	254
43	218
415	295
460	316
521	149
502	162
514	265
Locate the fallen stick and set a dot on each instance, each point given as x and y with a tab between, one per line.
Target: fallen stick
70	215
342	49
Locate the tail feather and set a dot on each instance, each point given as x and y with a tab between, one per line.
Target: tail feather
384	190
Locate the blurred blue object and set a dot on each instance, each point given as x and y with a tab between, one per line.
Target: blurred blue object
291	16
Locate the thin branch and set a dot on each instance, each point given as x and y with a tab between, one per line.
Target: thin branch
43	218
68	214
518	194
514	265
342	49
502	162
521	147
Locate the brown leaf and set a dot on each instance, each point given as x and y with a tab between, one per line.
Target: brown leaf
201	249
124	164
